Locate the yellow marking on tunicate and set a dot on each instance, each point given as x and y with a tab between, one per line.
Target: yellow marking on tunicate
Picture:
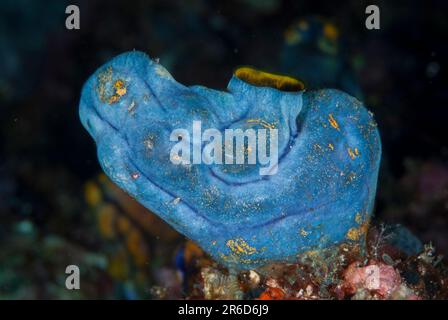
119	91
176	201
357	151
262	122
331	146
333	121
265	79
351	153
120	88
239	246
330	31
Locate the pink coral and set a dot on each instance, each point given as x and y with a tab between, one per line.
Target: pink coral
376	280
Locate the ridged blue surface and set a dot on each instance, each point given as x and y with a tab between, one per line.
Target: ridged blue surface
322	194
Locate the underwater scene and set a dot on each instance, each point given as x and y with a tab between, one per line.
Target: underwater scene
223	150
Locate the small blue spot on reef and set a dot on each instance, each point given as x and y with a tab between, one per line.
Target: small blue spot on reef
322	195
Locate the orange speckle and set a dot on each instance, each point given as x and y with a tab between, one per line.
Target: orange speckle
351	153
266	79
333	121
356	234
239	246
120	87
120	90
272	294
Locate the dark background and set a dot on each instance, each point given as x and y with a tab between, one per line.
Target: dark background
46	157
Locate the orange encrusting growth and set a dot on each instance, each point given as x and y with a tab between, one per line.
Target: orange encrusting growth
265	79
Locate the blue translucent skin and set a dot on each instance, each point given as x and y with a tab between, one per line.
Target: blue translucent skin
320	192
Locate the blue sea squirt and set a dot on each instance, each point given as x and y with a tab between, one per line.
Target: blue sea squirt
321	195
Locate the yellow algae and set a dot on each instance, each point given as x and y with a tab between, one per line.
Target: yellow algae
355	234
119	87
119	91
351	153
239	246
266	79
333	121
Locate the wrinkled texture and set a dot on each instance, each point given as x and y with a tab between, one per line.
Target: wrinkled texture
329	154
